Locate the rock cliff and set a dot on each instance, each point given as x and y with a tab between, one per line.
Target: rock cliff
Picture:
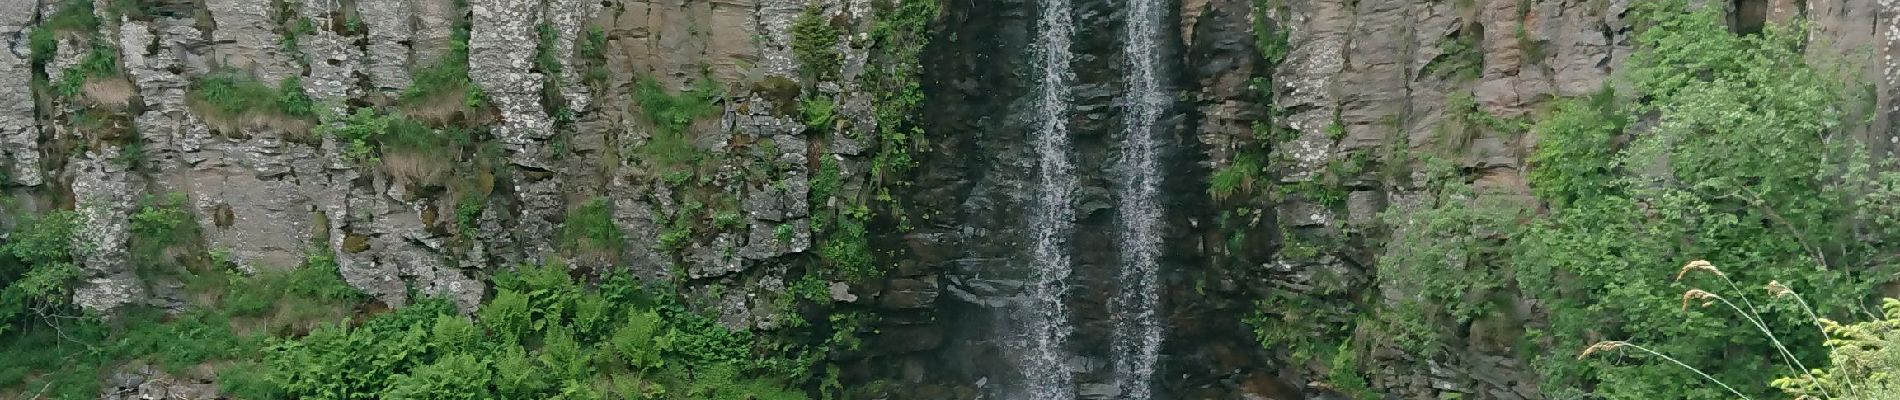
746	151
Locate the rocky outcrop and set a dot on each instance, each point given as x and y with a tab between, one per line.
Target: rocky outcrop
106	201
248	40
19	128
498	64
572	103
141	381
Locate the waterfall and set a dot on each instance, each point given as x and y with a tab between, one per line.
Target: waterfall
1045	360
1137	342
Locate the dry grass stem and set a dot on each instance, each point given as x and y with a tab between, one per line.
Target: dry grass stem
1606	346
1698	265
1707	298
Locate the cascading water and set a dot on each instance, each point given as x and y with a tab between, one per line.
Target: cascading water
1044	360
1137	341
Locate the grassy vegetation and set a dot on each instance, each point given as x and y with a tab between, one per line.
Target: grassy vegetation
443	89
407	149
74	17
56	351
233	96
590	228
100	62
590	54
542	336
672	116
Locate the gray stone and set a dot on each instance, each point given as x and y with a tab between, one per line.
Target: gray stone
841	292
388	22
909	293
19	131
106	199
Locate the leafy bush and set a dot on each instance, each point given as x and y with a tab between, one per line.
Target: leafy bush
36	271
1737	168
541	337
1862	359
814	43
160	224
448	77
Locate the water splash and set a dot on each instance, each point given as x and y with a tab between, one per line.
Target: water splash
1138	334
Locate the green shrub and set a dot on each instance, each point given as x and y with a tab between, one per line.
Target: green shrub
591	52
814	43
671	145
847	251
160	223
1749	179
35	267
247	380
539	338
456	376
100	62
818	111
590	227
448	76
1236	177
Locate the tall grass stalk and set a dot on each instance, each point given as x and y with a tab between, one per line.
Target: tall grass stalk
1777	290
1752	315
1617	344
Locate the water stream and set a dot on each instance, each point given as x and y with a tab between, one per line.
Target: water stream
1138	333
1045	359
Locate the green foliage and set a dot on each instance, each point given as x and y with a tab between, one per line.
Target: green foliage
448	76
1862	359
1236	177
66	356
544	57
231	95
1342	373
847	251
1738	168
1533	50
1573	160
543	336
814	43
818	112
1450	250
468	213
590	227
457	376
673	114
36	271
844	247
590	52
75	15
100	62
1460	57
160	224
898	39
368	135
357	133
